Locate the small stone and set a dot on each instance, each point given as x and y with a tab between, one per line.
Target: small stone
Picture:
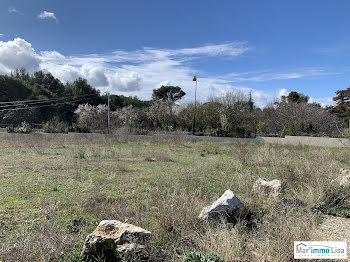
343	179
268	188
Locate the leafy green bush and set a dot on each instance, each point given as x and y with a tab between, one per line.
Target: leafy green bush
196	256
54	126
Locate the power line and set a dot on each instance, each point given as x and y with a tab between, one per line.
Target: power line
34	104
32	107
47	101
42	100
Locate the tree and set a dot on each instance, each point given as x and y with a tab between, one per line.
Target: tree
295	97
12	89
161	115
207	117
299	119
120	101
342	107
169	94
237	116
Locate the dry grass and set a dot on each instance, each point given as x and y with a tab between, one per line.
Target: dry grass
49	181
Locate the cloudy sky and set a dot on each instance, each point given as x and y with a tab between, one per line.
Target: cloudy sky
268	48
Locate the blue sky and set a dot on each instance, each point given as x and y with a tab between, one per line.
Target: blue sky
130	47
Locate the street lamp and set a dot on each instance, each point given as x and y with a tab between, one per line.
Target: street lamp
195	106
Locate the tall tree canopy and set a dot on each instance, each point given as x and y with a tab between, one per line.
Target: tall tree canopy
342	107
170	94
295	97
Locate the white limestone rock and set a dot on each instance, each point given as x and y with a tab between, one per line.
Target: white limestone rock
268	188
112	238
227	207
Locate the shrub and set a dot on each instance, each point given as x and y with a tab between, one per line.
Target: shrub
200	257
262	129
10	129
80	128
336	202
161	116
91	117
134	119
25	128
54	126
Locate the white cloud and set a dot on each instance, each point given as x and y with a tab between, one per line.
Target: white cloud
18	54
125	82
148	54
164	83
94	74
138	72
269	75
283	92
52	56
65	73
324	101
47	15
230	49
13	10
1	35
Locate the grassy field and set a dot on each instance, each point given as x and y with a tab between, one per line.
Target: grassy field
54	190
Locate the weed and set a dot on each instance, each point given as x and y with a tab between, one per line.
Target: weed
196	256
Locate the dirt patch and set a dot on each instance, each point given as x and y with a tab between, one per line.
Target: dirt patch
333	229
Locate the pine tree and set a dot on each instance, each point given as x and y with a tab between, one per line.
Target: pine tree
342	107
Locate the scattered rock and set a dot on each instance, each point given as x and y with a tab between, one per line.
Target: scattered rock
268	188
343	179
227	207
112	240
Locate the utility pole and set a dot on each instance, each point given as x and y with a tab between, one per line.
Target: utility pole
109	113
195	107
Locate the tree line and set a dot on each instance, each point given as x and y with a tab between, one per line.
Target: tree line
51	99
77	106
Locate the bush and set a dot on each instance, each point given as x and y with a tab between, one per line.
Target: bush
10	129
336	202
200	257
161	116
54	126
91	117
25	128
262	129
80	128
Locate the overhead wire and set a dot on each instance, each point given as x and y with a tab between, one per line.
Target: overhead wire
29	106
43	100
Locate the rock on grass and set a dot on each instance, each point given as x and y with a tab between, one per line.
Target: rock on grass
112	240
227	207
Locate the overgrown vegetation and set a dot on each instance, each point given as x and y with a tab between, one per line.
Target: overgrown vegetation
336	202
78	107
57	188
49	98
